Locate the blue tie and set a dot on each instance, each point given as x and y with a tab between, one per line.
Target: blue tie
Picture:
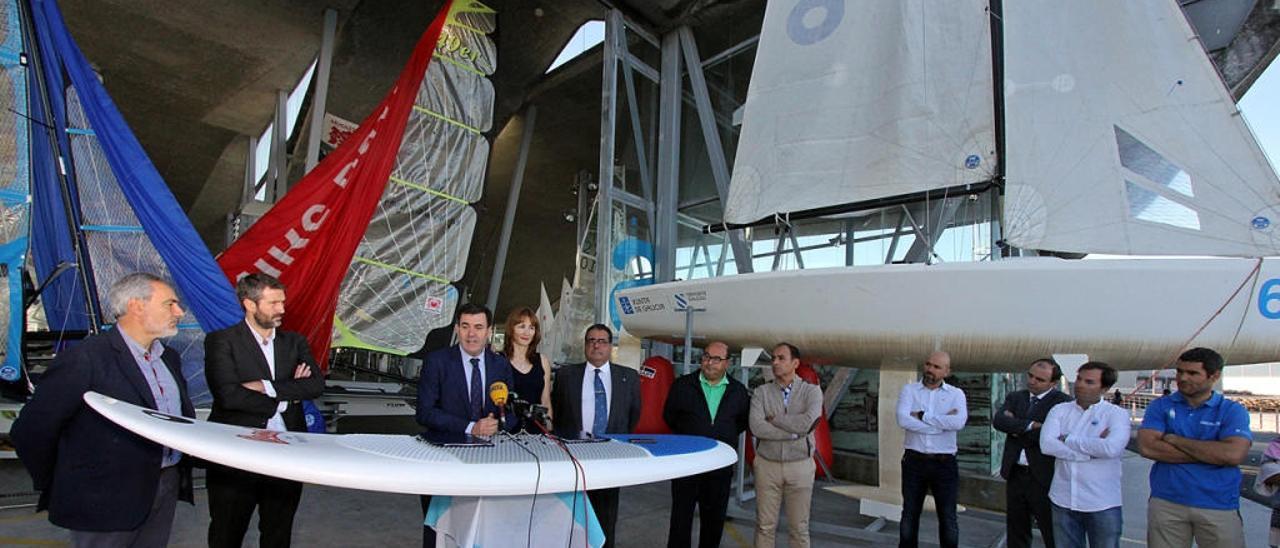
602	408
477	390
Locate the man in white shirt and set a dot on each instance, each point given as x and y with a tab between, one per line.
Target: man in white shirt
258	375
1088	437
594	399
931	411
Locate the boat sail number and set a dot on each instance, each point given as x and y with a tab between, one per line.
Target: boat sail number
811	21
1269	299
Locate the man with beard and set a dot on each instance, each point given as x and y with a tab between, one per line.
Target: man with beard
258	376
931	411
1088	438
1028	473
107	485
1198	439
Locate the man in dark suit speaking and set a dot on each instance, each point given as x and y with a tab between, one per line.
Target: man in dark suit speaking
1028	472
453	388
258	375
596	399
109	486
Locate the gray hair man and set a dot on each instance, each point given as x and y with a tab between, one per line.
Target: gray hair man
109	486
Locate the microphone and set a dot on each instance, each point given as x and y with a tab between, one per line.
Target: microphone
498	394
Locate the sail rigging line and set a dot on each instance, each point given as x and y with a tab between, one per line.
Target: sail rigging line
853	207
1252	275
62	172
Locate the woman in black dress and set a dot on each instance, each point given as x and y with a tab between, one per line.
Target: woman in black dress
532	370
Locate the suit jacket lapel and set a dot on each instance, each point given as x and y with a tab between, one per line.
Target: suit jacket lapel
577	373
617	391
251	339
129	367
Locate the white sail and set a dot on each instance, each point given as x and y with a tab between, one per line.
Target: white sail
1123	139
398	286
850	104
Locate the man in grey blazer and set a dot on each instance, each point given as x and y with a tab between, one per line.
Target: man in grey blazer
594	399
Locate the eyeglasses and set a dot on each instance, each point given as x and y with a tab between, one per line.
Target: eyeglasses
594	342
713	360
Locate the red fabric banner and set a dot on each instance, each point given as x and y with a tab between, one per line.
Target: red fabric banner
309	237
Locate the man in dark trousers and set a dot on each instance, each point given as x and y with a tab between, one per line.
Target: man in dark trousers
453	388
597	398
1028	473
711	404
107	485
258	376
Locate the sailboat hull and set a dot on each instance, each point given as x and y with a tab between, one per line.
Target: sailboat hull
991	316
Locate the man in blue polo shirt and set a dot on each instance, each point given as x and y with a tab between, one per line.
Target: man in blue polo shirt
1198	439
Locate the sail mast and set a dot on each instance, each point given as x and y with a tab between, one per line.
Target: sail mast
92	307
996	11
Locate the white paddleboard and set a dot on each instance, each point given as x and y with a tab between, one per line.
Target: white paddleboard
514	465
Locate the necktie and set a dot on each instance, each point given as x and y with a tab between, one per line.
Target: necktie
602	408
477	391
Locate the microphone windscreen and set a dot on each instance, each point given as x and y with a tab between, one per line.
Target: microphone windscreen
498	393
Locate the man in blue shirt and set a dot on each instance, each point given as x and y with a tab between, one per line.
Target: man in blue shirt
1198	439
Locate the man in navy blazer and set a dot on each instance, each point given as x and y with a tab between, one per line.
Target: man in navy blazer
107	485
453	387
583	392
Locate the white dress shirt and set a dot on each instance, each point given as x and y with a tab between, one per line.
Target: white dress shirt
1086	476
268	347
589	394
1035	400
935	431
466	371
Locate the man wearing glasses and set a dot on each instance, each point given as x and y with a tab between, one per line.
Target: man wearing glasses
1028	473
783	414
711	404
594	399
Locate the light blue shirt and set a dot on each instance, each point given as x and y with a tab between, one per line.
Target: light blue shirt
164	389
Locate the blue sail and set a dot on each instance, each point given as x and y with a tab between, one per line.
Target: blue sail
14	188
124	215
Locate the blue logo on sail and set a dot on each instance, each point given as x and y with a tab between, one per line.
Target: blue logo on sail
626	305
1261	223
9	373
972	161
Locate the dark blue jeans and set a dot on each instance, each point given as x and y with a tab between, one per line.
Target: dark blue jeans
1102	528
923	474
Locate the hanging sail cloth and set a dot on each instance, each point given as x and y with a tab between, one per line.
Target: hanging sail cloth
1123	138
196	276
320	222
15	208
849	105
1120	136
399	285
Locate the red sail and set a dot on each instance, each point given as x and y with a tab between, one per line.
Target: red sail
307	239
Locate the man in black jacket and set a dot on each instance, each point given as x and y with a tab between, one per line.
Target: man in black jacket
711	404
109	486
259	376
1028	472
